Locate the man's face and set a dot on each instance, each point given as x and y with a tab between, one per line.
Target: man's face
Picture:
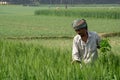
81	32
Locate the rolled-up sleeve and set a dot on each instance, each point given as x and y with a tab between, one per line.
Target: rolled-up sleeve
75	51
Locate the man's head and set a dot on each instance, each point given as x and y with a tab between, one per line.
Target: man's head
80	26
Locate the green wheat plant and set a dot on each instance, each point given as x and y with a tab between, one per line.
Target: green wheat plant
109	13
29	61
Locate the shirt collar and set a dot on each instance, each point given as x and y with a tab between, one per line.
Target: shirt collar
82	43
89	35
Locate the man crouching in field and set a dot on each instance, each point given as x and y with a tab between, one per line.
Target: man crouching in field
85	43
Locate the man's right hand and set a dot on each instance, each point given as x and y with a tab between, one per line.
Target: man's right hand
75	61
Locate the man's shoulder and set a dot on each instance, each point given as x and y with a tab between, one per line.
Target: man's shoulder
77	37
93	33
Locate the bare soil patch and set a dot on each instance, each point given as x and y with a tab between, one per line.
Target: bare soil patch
64	37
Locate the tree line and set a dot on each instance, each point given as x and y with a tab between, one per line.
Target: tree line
62	1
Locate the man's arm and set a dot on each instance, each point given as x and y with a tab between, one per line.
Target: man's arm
75	53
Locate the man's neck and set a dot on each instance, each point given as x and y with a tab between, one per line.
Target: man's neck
85	37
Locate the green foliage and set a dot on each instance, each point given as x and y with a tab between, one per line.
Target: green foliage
20	21
31	60
108	60
23	61
105	45
105	51
109	13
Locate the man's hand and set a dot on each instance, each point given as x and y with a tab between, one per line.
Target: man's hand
75	61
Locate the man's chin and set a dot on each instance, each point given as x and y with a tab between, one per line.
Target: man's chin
81	35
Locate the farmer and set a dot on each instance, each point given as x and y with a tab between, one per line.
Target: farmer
85	43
